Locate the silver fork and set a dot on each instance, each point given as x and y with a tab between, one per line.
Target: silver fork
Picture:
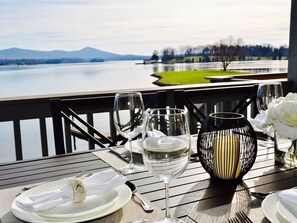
234	220
243	217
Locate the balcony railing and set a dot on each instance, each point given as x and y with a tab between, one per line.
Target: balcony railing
201	100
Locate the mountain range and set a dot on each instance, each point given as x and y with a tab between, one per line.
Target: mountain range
85	54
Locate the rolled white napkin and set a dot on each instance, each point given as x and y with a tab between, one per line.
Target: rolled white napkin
289	199
97	183
258	120
155	133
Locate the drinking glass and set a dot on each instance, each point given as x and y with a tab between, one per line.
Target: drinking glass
166	147
266	93
128	115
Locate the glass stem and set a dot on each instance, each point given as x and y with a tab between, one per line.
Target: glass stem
269	140
167	213
131	163
294	144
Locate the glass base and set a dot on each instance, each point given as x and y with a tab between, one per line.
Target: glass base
169	220
131	168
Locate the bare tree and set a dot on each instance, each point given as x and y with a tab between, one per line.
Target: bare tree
184	50
227	50
168	54
155	56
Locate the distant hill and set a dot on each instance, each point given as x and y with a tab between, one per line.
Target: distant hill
87	53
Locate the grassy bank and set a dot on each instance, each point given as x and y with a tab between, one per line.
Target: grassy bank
190	77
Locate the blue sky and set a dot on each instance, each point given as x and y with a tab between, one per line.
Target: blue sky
139	27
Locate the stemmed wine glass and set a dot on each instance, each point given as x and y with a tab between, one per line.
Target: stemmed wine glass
166	147
266	93
128	115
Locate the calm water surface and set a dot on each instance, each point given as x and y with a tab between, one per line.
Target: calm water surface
66	78
70	78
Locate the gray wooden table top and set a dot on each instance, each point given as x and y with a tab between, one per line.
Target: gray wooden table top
194	197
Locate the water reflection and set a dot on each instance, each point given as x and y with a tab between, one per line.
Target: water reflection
269	66
168	68
156	68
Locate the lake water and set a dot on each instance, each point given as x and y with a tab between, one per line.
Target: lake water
70	78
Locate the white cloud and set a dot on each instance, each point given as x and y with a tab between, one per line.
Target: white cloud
134	26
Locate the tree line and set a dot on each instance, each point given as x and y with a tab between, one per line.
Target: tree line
4	62
225	50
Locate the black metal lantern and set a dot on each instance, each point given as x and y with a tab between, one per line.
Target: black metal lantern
227	145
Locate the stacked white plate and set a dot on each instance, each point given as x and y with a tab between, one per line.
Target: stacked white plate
92	207
275	211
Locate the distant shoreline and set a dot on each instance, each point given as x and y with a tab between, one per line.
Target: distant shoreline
20	62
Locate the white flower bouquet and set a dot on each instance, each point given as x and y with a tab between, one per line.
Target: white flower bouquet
281	118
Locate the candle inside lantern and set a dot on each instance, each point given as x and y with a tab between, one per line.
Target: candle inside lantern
226	157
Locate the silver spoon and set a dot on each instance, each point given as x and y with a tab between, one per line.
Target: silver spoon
146	207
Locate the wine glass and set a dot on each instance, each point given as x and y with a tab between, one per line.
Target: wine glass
166	147
128	115
268	91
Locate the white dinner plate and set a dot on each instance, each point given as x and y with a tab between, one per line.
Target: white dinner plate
283	210
270	209
93	207
137	145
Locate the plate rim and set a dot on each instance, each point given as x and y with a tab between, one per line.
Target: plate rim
270	199
279	205
124	195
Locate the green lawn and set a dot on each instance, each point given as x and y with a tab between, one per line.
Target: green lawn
191	77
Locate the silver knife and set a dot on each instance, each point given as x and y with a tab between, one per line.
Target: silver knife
122	156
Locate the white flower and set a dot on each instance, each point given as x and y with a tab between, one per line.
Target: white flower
282	114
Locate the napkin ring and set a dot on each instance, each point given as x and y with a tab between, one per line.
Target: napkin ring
78	189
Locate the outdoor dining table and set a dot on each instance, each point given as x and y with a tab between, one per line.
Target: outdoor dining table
194	196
